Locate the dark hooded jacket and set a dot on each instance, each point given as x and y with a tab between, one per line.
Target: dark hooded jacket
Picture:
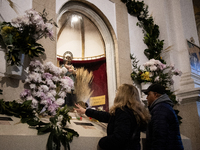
163	130
123	132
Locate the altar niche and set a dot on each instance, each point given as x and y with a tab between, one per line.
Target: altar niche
98	84
85	34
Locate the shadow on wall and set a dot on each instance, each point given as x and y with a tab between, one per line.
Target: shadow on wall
13	85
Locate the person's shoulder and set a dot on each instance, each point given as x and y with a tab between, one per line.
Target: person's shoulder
162	105
163	109
122	110
119	110
125	111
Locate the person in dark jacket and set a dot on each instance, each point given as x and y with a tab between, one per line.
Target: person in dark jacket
125	119
163	130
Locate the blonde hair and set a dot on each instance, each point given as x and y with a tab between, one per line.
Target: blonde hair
127	95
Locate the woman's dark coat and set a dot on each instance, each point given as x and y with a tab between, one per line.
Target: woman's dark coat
120	129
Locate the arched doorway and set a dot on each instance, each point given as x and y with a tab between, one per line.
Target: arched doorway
88	16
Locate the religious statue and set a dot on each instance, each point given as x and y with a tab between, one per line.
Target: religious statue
71	71
70	98
82	80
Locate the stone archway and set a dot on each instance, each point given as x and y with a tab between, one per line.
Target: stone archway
85	9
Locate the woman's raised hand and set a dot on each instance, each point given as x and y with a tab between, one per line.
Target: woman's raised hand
80	109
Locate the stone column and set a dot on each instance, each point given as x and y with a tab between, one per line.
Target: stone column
49	46
190	81
123	61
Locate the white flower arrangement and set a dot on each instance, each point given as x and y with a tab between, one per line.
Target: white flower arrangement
161	73
36	23
48	87
156	72
20	36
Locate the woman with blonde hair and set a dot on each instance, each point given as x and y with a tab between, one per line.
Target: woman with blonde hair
126	118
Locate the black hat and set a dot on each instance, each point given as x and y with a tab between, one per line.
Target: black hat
155	88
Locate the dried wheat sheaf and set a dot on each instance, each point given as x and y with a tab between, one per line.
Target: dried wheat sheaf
82	85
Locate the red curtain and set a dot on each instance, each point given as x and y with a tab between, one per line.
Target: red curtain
99	83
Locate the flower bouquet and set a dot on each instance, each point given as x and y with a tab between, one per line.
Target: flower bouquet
20	36
48	87
155	72
43	103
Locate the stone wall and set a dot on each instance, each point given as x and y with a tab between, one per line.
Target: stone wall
190	126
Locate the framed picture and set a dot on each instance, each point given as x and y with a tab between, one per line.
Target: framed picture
194	53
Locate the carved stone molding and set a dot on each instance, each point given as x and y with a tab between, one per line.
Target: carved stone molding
189	88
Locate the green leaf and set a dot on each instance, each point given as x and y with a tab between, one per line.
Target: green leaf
65	142
42	130
74	133
32	122
50	141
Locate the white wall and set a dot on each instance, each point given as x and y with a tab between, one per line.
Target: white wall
136	40
20	5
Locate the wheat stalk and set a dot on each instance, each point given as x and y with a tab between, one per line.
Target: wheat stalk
82	85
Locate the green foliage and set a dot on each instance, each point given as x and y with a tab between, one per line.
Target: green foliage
150	29
21	110
59	133
154	45
17	42
151	34
179	117
134	8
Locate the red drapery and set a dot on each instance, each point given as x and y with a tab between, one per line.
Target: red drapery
99	83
